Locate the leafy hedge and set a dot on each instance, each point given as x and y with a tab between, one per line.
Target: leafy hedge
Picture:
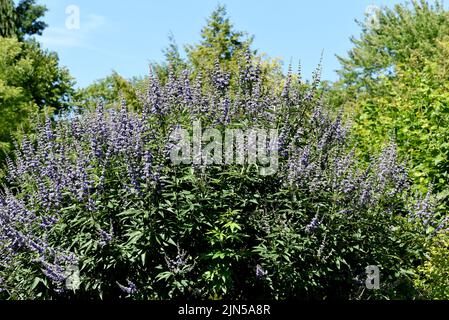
97	191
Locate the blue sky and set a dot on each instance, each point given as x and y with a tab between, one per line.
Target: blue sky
126	35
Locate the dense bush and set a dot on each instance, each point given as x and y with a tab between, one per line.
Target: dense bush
98	191
433	276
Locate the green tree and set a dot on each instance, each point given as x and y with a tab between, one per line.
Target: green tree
109	91
31	82
15	102
7	18
173	60
28	16
394	82
218	40
49	85
21	20
31	79
400	33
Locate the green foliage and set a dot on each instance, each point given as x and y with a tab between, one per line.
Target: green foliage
27	18
221	43
49	84
433	277
30	81
218	40
402	31
7	18
109	91
394	83
15	101
215	231
21	20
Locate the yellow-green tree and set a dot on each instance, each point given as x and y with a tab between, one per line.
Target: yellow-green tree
219	40
109	91
31	81
394	84
15	101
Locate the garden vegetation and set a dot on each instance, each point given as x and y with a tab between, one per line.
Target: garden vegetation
361	178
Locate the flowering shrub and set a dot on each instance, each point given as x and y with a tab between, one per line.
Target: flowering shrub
97	192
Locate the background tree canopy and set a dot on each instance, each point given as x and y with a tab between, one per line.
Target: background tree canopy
21	20
31	80
221	45
394	82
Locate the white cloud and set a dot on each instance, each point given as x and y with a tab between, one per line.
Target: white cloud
93	23
73	38
63	37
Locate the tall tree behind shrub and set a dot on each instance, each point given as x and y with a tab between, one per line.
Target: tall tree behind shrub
394	82
31	79
21	20
221	47
31	82
7	18
221	43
